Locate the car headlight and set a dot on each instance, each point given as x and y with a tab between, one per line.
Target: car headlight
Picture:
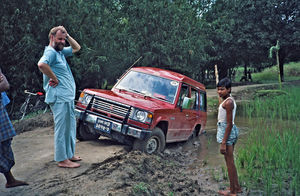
85	98
141	115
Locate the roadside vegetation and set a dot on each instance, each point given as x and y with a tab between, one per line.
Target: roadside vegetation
270	74
292	72
269	161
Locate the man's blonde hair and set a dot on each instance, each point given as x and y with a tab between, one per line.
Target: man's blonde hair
54	30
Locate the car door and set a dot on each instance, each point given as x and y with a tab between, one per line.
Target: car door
180	122
192	115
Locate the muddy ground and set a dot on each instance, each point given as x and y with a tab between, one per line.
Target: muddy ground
109	168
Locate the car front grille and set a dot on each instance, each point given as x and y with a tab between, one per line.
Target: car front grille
111	108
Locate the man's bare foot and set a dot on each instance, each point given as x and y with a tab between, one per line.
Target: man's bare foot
75	158
16	183
226	192
68	164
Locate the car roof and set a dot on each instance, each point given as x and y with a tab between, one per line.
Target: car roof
169	74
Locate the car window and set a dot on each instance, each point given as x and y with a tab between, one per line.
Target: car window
203	101
195	99
149	85
184	92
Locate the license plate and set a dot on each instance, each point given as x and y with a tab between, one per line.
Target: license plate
103	125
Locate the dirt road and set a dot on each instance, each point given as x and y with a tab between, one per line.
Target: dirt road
34	159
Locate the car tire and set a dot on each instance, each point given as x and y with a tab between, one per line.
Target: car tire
83	133
193	135
154	143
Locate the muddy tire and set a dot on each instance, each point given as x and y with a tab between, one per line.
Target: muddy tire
193	134
154	143
83	133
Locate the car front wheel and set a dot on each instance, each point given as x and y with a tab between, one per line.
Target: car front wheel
84	133
154	143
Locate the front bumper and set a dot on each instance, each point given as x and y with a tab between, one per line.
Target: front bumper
119	127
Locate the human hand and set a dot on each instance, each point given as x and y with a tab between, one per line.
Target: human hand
53	82
223	148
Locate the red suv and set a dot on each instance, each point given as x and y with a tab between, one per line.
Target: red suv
147	108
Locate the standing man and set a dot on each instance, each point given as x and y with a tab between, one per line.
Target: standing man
7	132
59	85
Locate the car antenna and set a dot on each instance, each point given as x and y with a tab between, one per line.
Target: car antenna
135	62
131	66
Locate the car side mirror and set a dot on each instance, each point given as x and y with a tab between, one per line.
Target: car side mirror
187	102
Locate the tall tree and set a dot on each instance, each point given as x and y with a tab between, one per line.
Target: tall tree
261	23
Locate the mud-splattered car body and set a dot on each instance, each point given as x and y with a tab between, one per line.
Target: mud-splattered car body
147	108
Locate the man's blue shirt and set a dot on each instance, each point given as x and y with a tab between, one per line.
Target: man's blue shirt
65	90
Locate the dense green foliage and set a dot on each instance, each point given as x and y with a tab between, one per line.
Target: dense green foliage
186	36
270	158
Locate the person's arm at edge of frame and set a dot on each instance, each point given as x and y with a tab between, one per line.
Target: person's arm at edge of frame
73	43
4	85
229	108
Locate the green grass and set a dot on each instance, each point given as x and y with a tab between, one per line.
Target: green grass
280	106
270	159
270	75
291	72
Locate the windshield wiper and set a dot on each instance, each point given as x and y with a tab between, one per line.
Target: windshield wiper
146	94
122	89
136	91
161	98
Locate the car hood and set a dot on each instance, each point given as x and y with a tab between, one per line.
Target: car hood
132	99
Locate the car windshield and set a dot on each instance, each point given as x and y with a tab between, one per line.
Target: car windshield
149	85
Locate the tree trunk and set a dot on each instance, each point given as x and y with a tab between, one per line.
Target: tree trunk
223	69
281	63
245	70
245	78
